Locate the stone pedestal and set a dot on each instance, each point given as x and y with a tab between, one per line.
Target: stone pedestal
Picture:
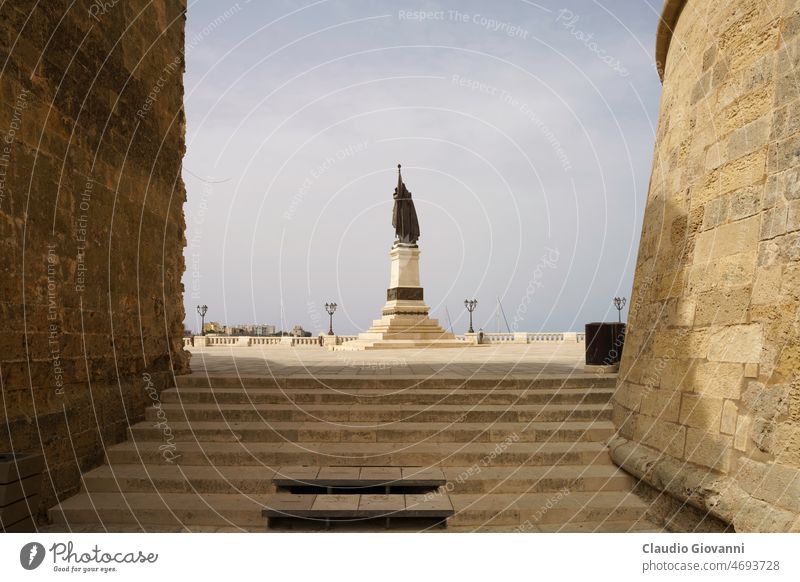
404	322
404	295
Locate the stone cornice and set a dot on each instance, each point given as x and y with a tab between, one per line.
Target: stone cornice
666	25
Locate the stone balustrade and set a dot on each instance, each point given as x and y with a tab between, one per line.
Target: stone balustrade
210	341
264	341
328	340
525	337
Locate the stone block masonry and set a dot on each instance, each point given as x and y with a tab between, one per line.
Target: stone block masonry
709	391
91	217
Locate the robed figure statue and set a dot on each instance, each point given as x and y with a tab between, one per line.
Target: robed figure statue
404	215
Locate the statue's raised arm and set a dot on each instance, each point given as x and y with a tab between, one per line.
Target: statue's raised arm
404	215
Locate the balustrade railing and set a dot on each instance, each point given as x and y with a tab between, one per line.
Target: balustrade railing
326	341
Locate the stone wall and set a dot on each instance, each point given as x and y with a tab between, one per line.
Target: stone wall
708	402
91	224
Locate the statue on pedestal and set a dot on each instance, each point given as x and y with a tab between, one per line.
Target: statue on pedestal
404	215
404	321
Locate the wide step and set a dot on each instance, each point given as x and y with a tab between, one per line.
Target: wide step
167	510
530	512
314	432
476	381
257	480
424	454
370	396
536	509
384	413
171	478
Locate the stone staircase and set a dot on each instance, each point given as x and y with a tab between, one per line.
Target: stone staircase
519	454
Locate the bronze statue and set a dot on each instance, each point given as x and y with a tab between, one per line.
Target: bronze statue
404	215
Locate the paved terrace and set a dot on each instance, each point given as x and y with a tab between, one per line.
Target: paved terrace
509	360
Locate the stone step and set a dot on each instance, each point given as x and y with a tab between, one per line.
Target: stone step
111	527
318	507
395	382
386	413
633	526
377	397
641	525
532	479
137	478
417	479
303	432
170	510
625	526
534	509
396	454
426	341
181	510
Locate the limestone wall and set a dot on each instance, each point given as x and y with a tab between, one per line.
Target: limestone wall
91	223
708	402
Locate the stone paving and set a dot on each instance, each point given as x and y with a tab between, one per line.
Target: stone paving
510	360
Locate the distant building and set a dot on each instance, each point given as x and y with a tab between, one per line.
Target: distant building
255	329
298	331
265	330
246	329
213	327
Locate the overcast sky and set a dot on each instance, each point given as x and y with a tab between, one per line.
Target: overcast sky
525	131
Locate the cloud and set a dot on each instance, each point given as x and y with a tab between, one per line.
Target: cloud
511	145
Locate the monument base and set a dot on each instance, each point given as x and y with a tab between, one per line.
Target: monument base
403	331
405	322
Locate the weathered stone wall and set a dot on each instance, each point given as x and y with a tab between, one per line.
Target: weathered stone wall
708	402
91	224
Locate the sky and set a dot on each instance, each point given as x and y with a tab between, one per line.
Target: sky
525	130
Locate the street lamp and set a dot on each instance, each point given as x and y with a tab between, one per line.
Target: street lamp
470	304
330	308
202	310
619	303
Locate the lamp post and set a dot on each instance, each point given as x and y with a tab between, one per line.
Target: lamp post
202	310
619	303
470	304
330	308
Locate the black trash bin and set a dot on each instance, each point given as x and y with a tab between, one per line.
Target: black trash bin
604	343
